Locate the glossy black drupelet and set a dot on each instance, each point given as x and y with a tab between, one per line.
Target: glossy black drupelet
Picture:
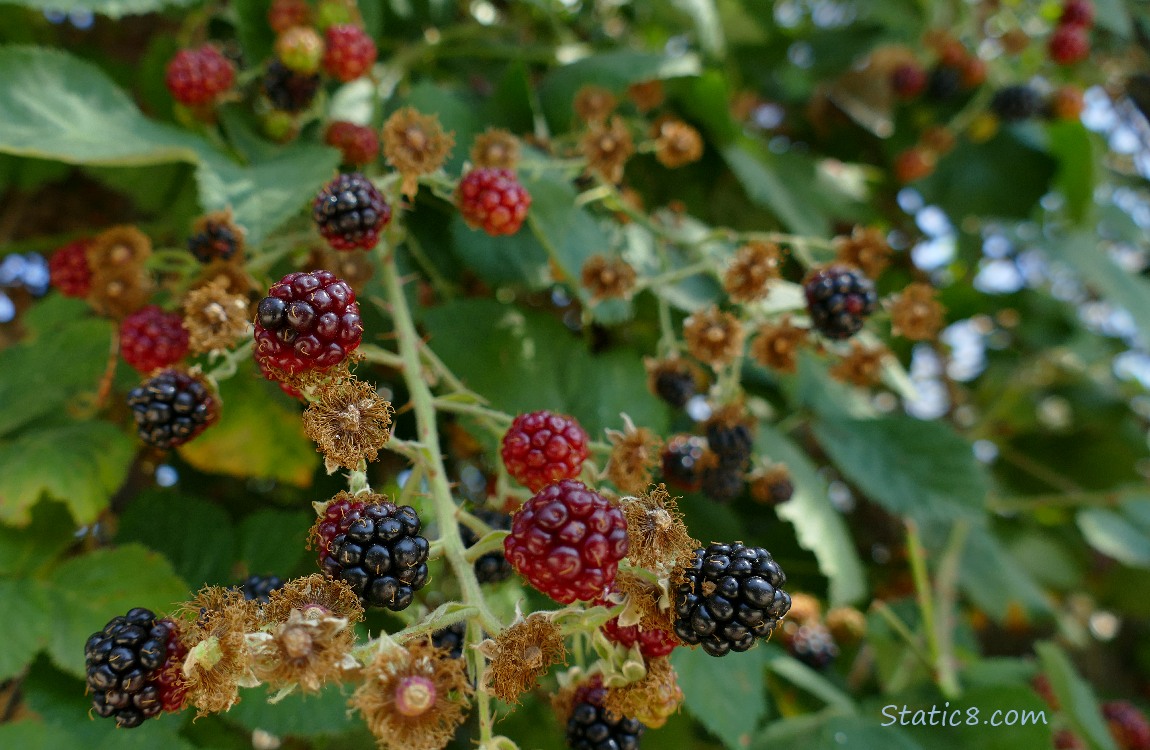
350	212
731	443
259	588
287	90
381	556
451	638
491	567
171	408
813	645
839	299
732	595
590	729
215	241
123	663
1016	103
722	484
676	387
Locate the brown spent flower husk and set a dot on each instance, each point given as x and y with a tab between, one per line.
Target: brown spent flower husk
651	700
520	655
310	649
635	452
441	682
315	592
415	144
235	278
118	248
593	103
805	609
659	537
776	345
713	336
213	628
646	95
354	268
865	248
607	147
676	143
754	266
646	600
608	277
772	485
120	284
848	626
214	318
495	148
348	422
916	314
862	367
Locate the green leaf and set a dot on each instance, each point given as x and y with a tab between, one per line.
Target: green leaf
568	233
524	361
708	25
1113	16
1117	534
251	403
34	735
800	675
25	626
24	551
1075	696
196	536
455	114
517	259
1081	251
818	526
909	466
296	715
1077	170
82	464
823	732
110	8
273	542
993	580
93	588
709	685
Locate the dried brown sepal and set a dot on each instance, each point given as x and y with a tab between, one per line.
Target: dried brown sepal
754	266
916	314
118	248
215	318
646	95
651	700
861	367
608	277
315	593
213	628
310	649
635	452
847	625
805	609
648	603
776	345
659	537
607	147
772	485
415	144
865	248
520	655
713	336
413	697
495	148
120	284
349	422
593	103
354	268
676	143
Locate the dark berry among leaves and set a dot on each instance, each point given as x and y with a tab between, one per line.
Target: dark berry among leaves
839	299
381	555
1016	103
491	567
350	212
259	588
216	240
676	387
123	663
683	462
451	638
592	727
813	645
172	408
722	484
287	90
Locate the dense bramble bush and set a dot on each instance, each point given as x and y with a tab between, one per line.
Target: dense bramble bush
678	375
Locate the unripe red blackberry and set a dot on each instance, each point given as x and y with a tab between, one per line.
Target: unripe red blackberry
171	408
287	90
543	447
198	76
567	542
491	567
300	49
652	643
592	727
908	80
339	514
381	555
151	338
358	144
839	299
68	269
731	596
123	663
683	462
308	321
913	164
350	212
1077	13
1127	725
349	53
1069	45
493	200
284	14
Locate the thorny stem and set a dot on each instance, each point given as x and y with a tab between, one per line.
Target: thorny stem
944	674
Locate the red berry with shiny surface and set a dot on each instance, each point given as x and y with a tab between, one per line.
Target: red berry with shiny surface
543	447
309	321
493	200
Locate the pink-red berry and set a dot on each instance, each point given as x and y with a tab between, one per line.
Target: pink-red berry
908	80
542	447
337	517
1077	13
173	687
309	321
358	144
68	269
285	14
151	338
1069	45
652	643
567	542
198	76
350	212
350	52
493	200
1127	725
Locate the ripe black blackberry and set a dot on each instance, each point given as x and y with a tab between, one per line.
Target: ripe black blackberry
591	727
491	567
722	484
731	442
945	83
350	212
123	663
381	556
1016	103
287	90
674	382
839	299
682	462
215	239
731	596
172	408
451	638
259	588
813	645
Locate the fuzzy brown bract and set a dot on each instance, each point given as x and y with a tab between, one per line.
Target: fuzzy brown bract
520	655
916	314
495	148
307	650
865	248
120	284
651	700
415	144
317	591
754	266
659	537
776	345
607	147
213	627
676	143
592	103
713	336
349	422
862	366
608	277
215	318
635	452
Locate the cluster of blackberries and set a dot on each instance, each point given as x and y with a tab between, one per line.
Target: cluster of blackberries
123	663
259	588
731	445
381	555
592	727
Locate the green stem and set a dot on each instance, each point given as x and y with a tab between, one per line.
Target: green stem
946	593
924	595
900	627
